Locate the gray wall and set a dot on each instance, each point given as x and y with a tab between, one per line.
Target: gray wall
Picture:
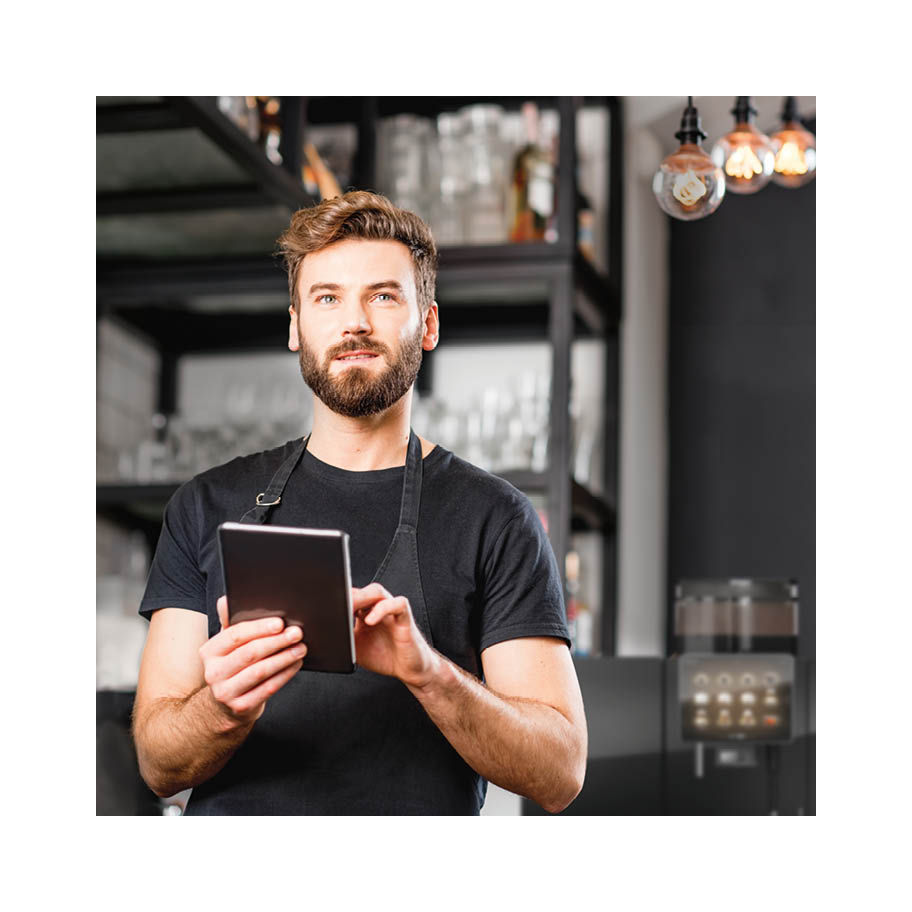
742	394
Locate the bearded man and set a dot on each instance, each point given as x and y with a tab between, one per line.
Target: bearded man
463	669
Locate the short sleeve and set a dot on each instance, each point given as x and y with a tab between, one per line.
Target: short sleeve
175	579
523	592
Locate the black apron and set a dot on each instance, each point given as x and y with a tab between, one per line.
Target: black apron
348	744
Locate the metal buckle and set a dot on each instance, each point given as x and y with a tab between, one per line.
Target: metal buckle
263	503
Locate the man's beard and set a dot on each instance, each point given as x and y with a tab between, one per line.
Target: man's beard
356	392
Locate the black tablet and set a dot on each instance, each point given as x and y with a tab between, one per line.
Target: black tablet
301	575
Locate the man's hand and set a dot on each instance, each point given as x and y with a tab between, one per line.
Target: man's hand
246	663
387	639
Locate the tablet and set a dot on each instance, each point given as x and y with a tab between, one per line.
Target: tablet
301	575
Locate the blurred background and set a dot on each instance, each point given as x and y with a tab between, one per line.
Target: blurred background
647	381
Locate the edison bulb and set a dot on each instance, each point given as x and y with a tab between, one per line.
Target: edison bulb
795	153
688	185
745	155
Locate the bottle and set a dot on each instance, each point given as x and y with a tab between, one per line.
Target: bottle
532	184
579	615
571	575
270	126
585	232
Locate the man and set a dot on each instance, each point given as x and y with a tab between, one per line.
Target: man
456	581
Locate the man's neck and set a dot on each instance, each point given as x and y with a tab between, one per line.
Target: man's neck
361	444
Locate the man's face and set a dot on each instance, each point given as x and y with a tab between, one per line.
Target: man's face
360	296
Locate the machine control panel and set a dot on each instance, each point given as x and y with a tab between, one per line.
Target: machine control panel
736	697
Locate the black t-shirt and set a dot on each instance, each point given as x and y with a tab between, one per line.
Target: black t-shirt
483	552
487	573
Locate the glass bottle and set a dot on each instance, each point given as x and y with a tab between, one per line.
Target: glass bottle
532	184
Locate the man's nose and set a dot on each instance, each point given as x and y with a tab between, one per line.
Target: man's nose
355	319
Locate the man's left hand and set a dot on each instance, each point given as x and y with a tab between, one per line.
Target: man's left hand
387	639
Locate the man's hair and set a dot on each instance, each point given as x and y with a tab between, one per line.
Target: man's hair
359	214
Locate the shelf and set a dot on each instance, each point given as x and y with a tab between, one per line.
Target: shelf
240	302
127	503
188	212
196	132
332	109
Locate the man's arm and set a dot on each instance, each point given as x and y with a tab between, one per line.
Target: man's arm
525	730
198	698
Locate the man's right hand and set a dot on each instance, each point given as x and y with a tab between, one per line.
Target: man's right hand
246	663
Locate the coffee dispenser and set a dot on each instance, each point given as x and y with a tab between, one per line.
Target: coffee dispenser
736	641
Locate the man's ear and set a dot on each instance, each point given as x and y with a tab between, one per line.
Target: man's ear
431	328
293	342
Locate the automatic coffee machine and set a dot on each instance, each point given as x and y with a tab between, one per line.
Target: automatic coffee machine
735	651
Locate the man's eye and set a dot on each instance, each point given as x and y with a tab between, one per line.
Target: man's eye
322	298
384	294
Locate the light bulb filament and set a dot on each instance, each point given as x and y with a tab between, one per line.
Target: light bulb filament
791	160
743	163
688	189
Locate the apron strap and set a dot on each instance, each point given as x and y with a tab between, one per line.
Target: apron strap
272	496
411	486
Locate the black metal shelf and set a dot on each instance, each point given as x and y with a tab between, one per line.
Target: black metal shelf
238	302
329	109
144	502
269	183
481	291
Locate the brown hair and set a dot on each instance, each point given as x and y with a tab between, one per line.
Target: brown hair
359	214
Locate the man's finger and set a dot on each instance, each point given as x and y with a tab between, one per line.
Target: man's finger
255	650
369	595
397	608
243	632
222	607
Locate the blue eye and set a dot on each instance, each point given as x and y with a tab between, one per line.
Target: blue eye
320	299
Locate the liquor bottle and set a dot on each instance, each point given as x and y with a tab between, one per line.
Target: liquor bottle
579	615
532	184
269	107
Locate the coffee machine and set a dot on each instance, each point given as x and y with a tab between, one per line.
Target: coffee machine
736	640
735	650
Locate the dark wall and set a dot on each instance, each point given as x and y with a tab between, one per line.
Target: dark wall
741	353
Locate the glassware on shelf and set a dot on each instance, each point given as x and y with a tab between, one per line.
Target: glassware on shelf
448	205
152	462
242	110
404	151
487	175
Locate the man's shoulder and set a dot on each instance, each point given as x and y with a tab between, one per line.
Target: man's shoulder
472	484
240	471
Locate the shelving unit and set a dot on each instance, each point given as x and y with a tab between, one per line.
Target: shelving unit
197	298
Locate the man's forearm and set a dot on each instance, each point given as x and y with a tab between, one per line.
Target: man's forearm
182	742
522	745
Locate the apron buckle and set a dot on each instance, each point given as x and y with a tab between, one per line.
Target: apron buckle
263	503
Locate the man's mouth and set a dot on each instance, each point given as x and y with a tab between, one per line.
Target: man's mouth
356	356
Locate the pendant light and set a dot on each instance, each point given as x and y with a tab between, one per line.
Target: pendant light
794	148
688	184
745	154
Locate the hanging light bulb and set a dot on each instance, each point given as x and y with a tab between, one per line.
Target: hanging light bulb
688	185
745	154
794	148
